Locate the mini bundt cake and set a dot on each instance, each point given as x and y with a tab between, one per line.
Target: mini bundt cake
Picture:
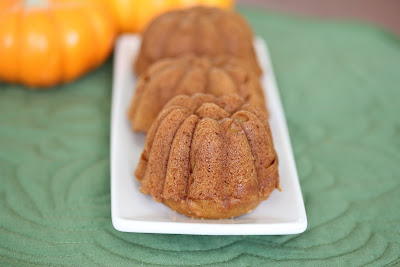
208	157
199	30
188	75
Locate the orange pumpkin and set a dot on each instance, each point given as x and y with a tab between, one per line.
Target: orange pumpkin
47	42
133	15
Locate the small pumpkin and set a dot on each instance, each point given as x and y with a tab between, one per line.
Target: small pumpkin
134	15
47	42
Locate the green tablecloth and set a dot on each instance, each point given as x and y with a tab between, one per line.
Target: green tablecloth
340	87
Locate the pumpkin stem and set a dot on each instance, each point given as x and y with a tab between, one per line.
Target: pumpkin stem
36	3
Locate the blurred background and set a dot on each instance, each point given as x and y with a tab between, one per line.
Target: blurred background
38	40
385	13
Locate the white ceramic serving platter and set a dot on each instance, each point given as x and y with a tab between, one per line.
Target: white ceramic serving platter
282	213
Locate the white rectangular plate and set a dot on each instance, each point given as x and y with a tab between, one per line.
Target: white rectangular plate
282	213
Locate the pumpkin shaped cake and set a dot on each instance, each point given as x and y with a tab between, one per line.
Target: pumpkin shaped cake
208	157
188	75
199	30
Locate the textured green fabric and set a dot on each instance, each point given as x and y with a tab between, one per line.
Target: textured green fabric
340	87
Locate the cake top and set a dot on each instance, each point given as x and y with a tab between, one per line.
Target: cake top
187	75
198	30
218	108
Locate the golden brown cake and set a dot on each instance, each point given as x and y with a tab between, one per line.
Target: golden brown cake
208	157
199	30
188	75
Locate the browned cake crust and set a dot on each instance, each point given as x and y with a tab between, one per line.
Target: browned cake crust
209	157
198	30
187	75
